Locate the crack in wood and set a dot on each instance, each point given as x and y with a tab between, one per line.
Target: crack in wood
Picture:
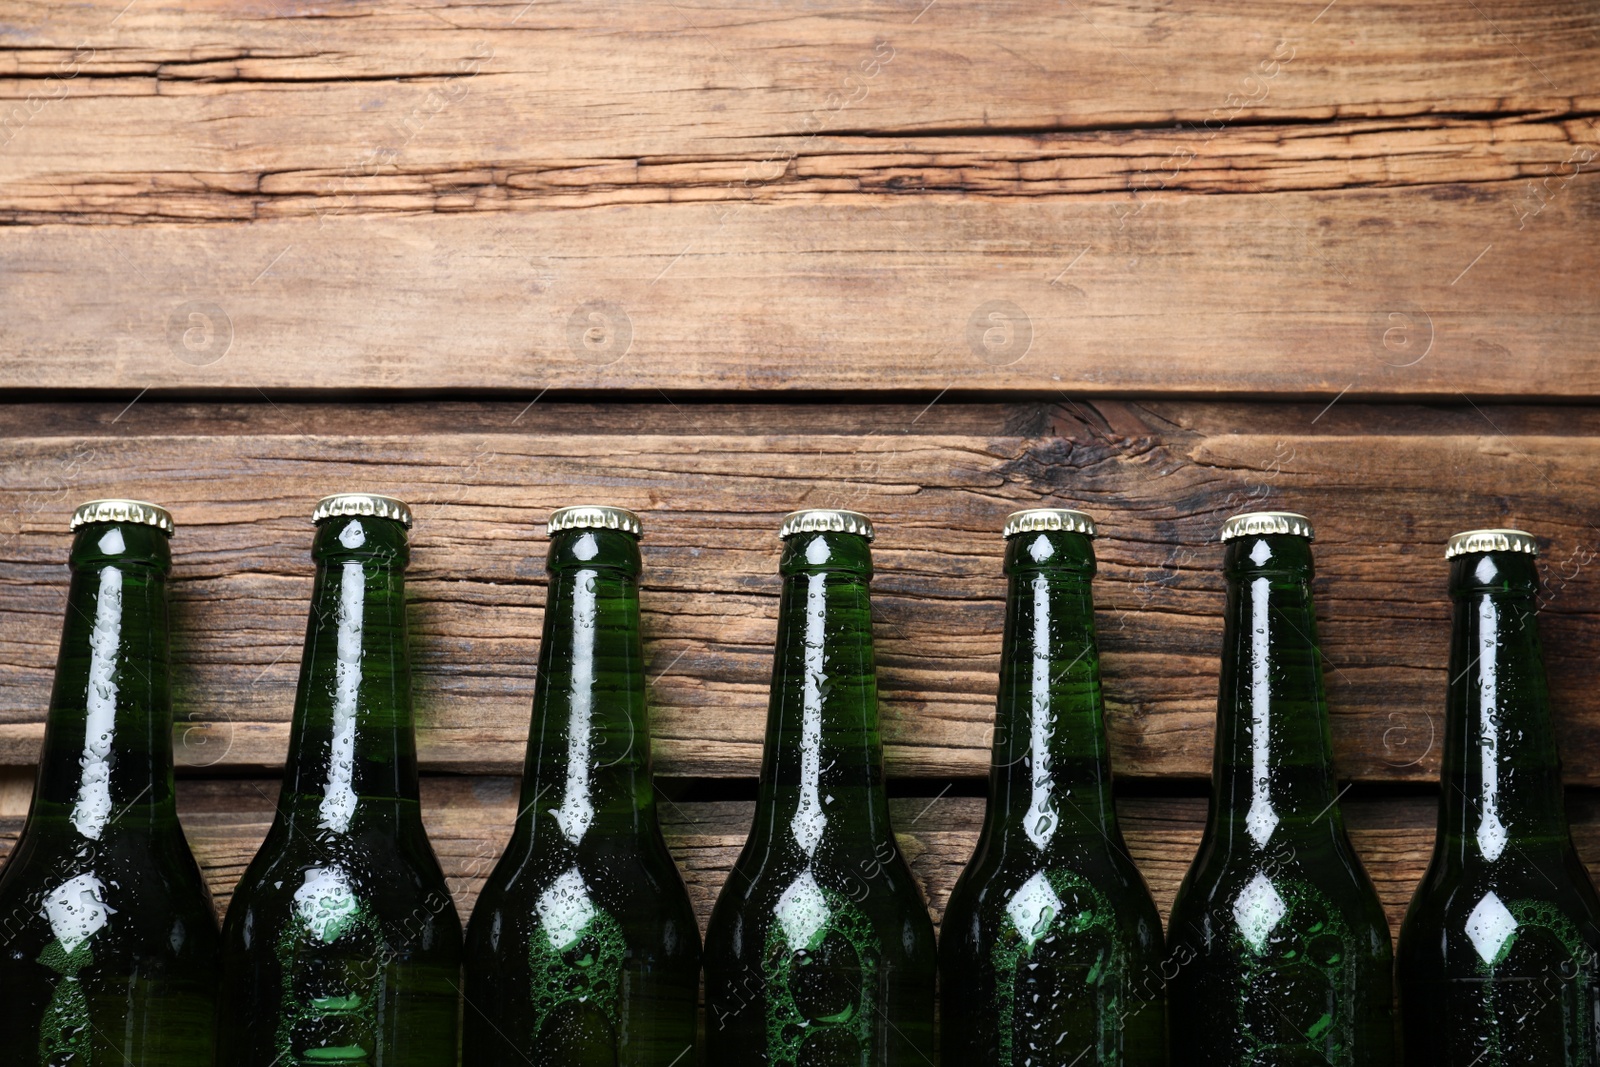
1445	153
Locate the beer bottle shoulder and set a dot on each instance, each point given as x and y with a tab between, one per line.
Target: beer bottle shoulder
770	883
634	871
381	857
1100	890
1232	894
610	883
408	904
1233	883
1319	847
1057	921
1473	914
390	866
133	897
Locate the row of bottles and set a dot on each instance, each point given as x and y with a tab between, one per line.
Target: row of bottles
342	944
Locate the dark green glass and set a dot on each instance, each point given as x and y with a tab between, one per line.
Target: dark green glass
584	950
108	940
1499	959
820	951
342	944
1050	953
1279	951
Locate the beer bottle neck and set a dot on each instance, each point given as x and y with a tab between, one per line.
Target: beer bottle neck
1051	775
107	757
1501	779
822	773
352	740
588	761
1274	765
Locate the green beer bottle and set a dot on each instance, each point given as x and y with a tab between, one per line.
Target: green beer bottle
1279	952
342	944
1051	949
584	950
820	951
1499	959
108	940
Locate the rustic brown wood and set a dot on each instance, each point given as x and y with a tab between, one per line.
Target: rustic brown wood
276	109
975	230
1424	292
299	87
470	820
1137	163
1348	197
279	414
1160	477
938	413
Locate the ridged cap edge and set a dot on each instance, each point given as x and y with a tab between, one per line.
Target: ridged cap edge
838	520
1252	523
118	510
1490	541
594	517
1031	519
383	507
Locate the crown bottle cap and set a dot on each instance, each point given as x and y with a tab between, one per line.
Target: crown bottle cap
1069	519
594	517
837	520
138	511
1253	523
384	507
1490	541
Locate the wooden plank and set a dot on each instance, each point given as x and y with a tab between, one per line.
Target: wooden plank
1159	479
948	413
470	820
970	196
337	415
1427	291
1135	165
194	103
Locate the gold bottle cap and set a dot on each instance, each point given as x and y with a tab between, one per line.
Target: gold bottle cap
139	511
1252	523
594	517
1033	519
837	520
384	507
1490	541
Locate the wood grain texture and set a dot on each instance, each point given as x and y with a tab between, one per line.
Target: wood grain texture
1137	163
1424	292
1384	491
470	820
305	85
1303	199
267	103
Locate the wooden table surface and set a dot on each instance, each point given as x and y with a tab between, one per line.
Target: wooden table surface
1164	260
